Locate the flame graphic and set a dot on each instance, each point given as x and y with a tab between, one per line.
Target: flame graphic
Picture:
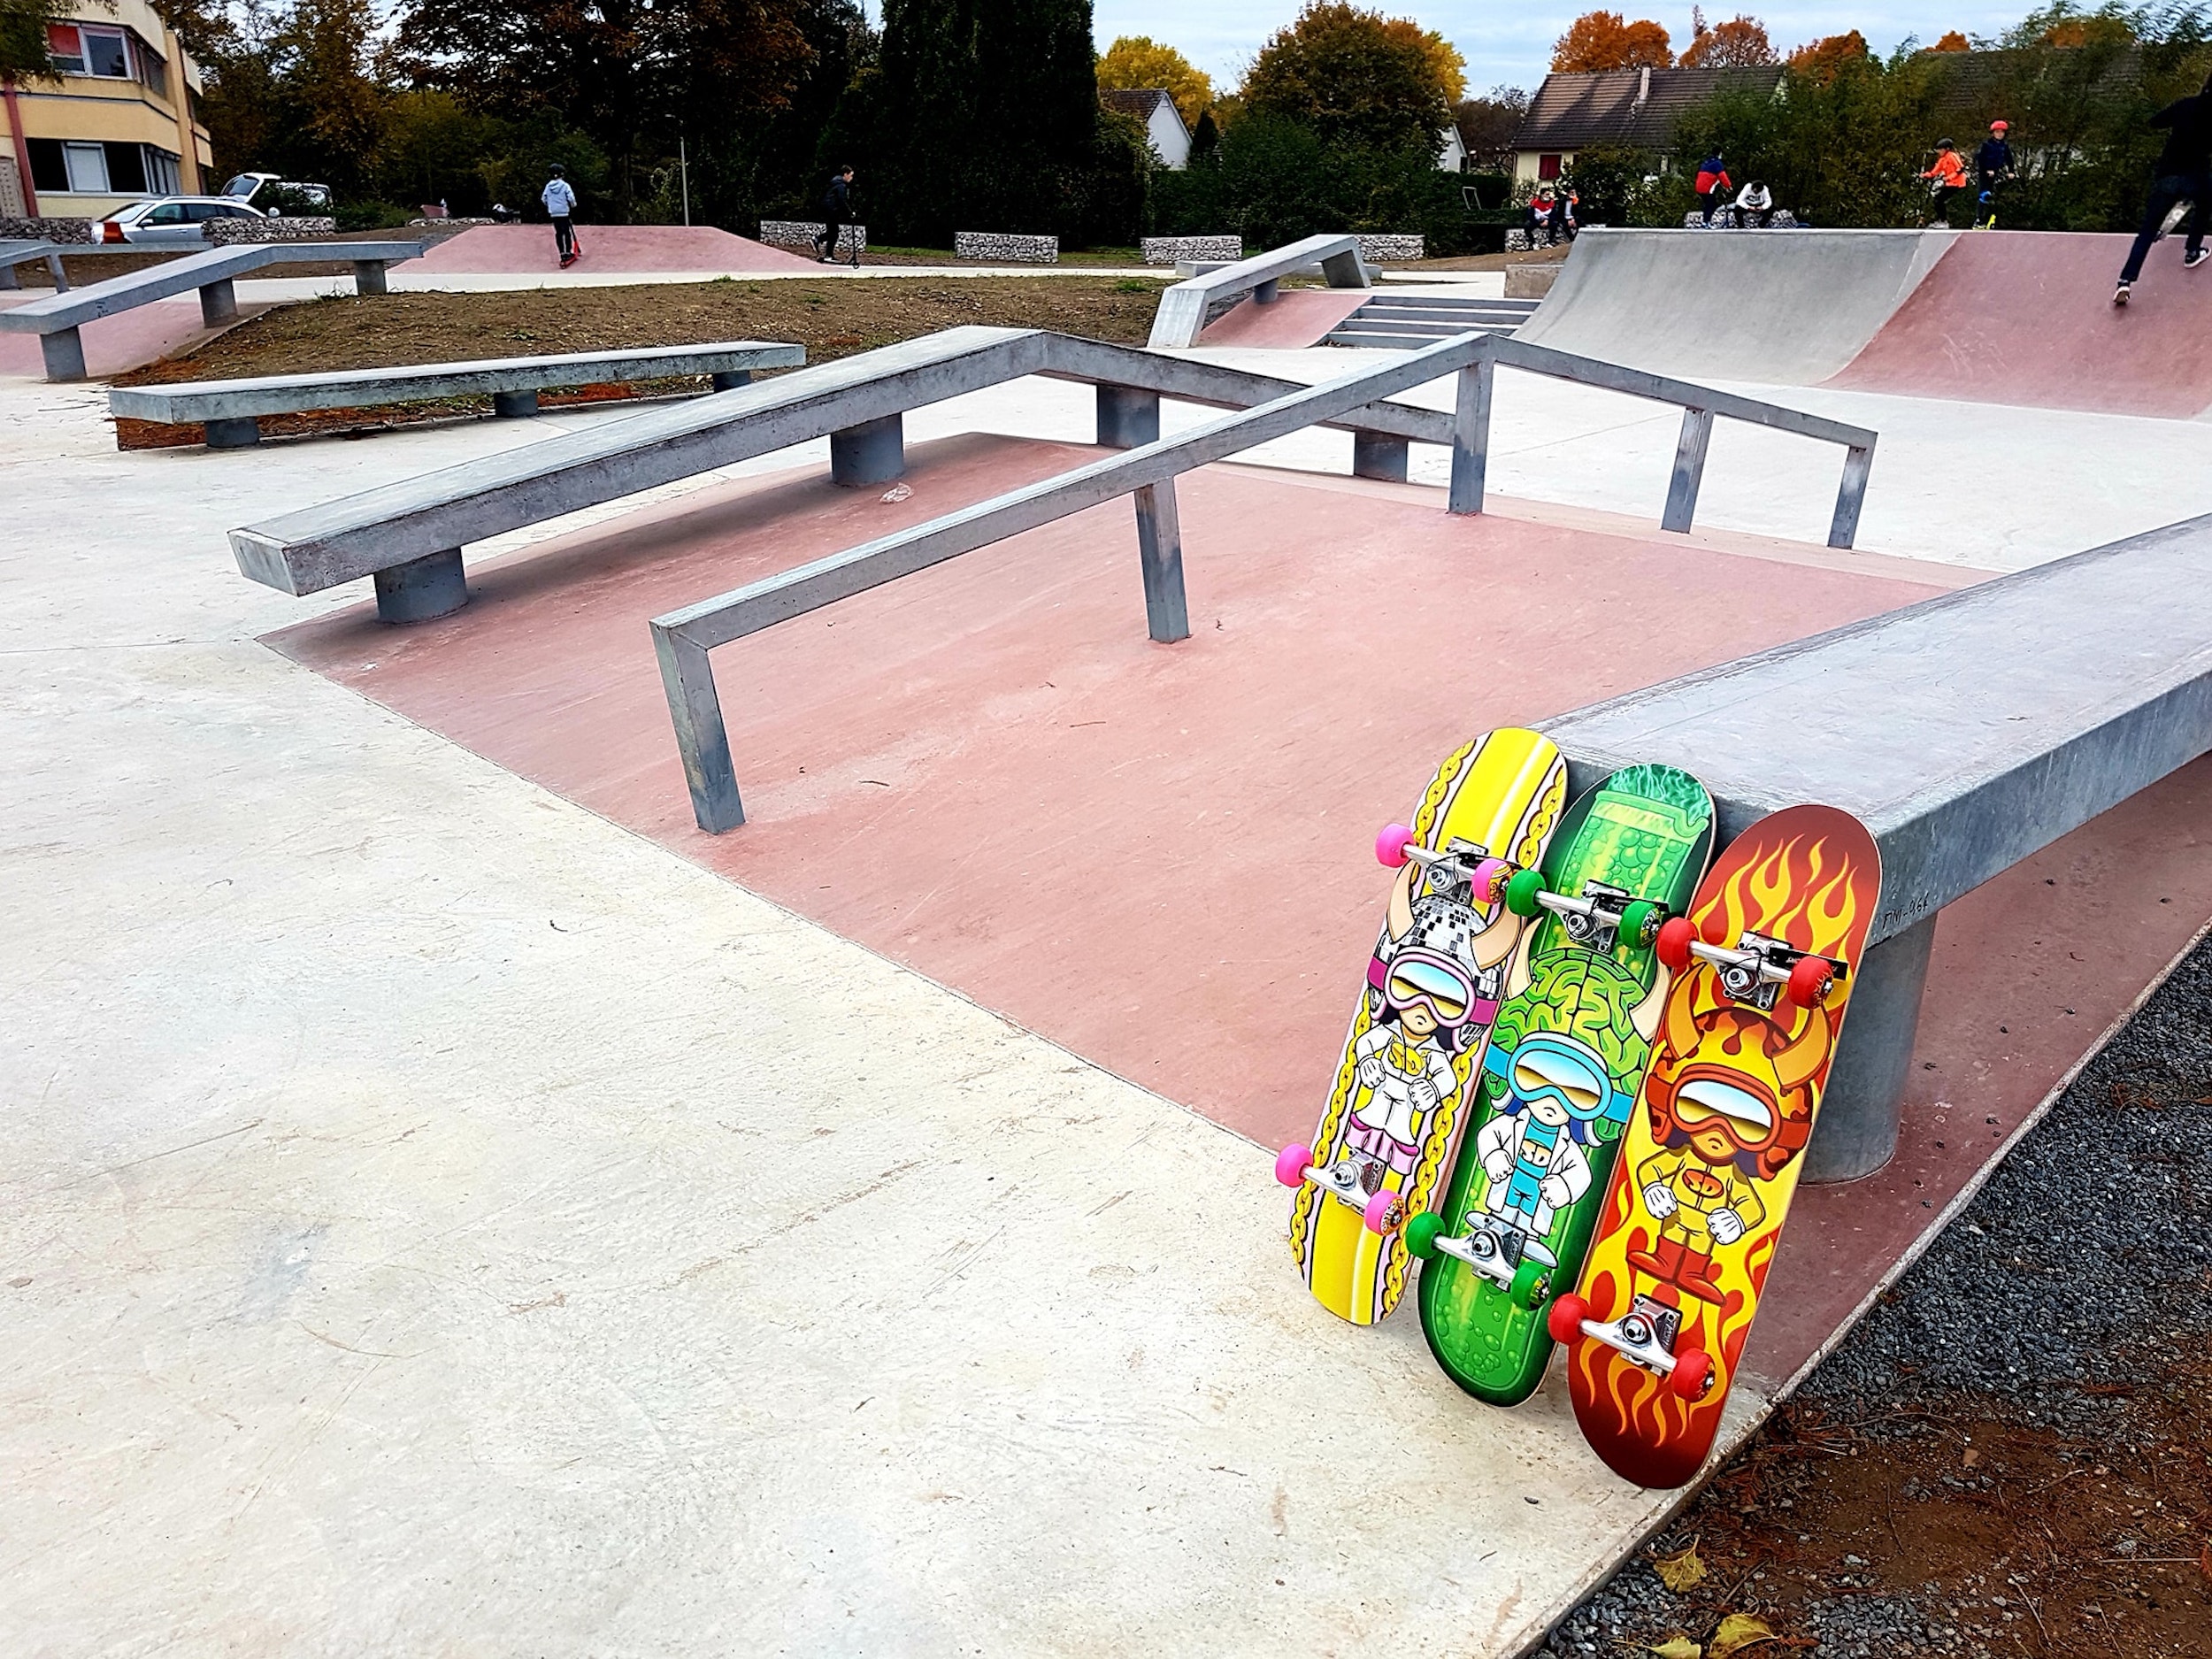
1809	877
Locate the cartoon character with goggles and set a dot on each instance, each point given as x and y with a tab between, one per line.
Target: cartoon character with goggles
1531	1149
1404	1059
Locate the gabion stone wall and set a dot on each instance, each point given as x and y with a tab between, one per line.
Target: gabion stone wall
805	233
223	233
1171	250
1380	249
997	249
22	229
451	223
1724	218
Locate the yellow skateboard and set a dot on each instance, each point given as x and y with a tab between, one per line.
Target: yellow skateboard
1401	1095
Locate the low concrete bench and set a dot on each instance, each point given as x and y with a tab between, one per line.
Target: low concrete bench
408	536
1966	731
1184	308
56	320
229	409
15	253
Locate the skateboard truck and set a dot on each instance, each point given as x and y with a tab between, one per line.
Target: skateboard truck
1353	1181
1507	1256
1595	920
1758	970
1464	871
1645	1335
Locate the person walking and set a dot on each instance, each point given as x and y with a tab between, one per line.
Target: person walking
1947	176
1756	201
837	206
560	206
2178	183
1993	167
1713	183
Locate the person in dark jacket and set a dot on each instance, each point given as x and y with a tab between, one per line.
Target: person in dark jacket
837	206
1993	166
2178	183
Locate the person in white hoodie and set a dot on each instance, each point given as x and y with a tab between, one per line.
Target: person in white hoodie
1754	199
560	206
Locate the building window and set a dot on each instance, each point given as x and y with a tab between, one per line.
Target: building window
1548	166
64	47
87	166
48	170
163	175
127	168
153	68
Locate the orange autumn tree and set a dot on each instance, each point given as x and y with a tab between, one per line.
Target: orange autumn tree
1739	43
1823	59
1953	42
1600	41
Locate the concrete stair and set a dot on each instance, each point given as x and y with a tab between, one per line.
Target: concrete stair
1401	322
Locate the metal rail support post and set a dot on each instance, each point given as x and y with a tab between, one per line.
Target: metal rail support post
1268	292
1470	435
1160	544
368	276
1856	1132
873	452
233	432
700	738
1378	454
515	405
218	303
1689	469
1844	529
730	380
422	589
1128	417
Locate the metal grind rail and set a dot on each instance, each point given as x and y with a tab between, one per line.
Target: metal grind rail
682	639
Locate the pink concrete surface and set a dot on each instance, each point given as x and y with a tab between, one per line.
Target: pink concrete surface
516	249
1161	856
2026	316
114	344
1298	318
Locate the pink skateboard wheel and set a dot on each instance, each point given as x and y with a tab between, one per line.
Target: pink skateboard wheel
1381	1210
1390	846
1489	880
1290	1166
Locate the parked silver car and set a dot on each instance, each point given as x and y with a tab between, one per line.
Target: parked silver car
276	196
171	221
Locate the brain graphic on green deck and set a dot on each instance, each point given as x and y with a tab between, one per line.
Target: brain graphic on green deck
1581	994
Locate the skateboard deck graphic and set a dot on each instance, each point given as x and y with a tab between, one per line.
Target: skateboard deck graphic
1401	1082
1705	1173
1558	1079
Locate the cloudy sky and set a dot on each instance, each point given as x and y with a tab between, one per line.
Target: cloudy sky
1506	45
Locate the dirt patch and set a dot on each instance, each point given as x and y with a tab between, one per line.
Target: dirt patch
832	319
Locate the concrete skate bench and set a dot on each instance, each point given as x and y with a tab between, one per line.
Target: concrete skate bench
408	536
56	321
15	253
1184	308
229	409
1966	731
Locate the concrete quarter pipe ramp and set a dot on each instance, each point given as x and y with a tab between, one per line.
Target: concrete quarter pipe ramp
1789	307
1994	317
2026	316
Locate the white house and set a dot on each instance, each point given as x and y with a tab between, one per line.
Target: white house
1163	122
1451	156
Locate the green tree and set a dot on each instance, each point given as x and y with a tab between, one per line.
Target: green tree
1355	76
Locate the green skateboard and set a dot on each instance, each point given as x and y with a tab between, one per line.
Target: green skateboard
1583	995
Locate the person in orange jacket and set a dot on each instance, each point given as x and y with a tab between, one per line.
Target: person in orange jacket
1948	177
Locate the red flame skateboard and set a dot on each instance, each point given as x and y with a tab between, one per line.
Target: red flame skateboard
1402	1086
1762	968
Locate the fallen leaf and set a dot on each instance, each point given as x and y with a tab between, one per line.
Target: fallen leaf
1677	1646
1681	1570
1973	1457
1737	1631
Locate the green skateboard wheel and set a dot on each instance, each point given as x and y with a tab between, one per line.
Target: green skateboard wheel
1421	1233
1638	921
1531	1283
1521	891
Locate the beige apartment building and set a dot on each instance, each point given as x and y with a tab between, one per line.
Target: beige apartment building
118	122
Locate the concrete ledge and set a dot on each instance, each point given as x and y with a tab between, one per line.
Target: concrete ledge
217	266
285	393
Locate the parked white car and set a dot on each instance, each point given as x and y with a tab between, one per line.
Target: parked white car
265	190
170	221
